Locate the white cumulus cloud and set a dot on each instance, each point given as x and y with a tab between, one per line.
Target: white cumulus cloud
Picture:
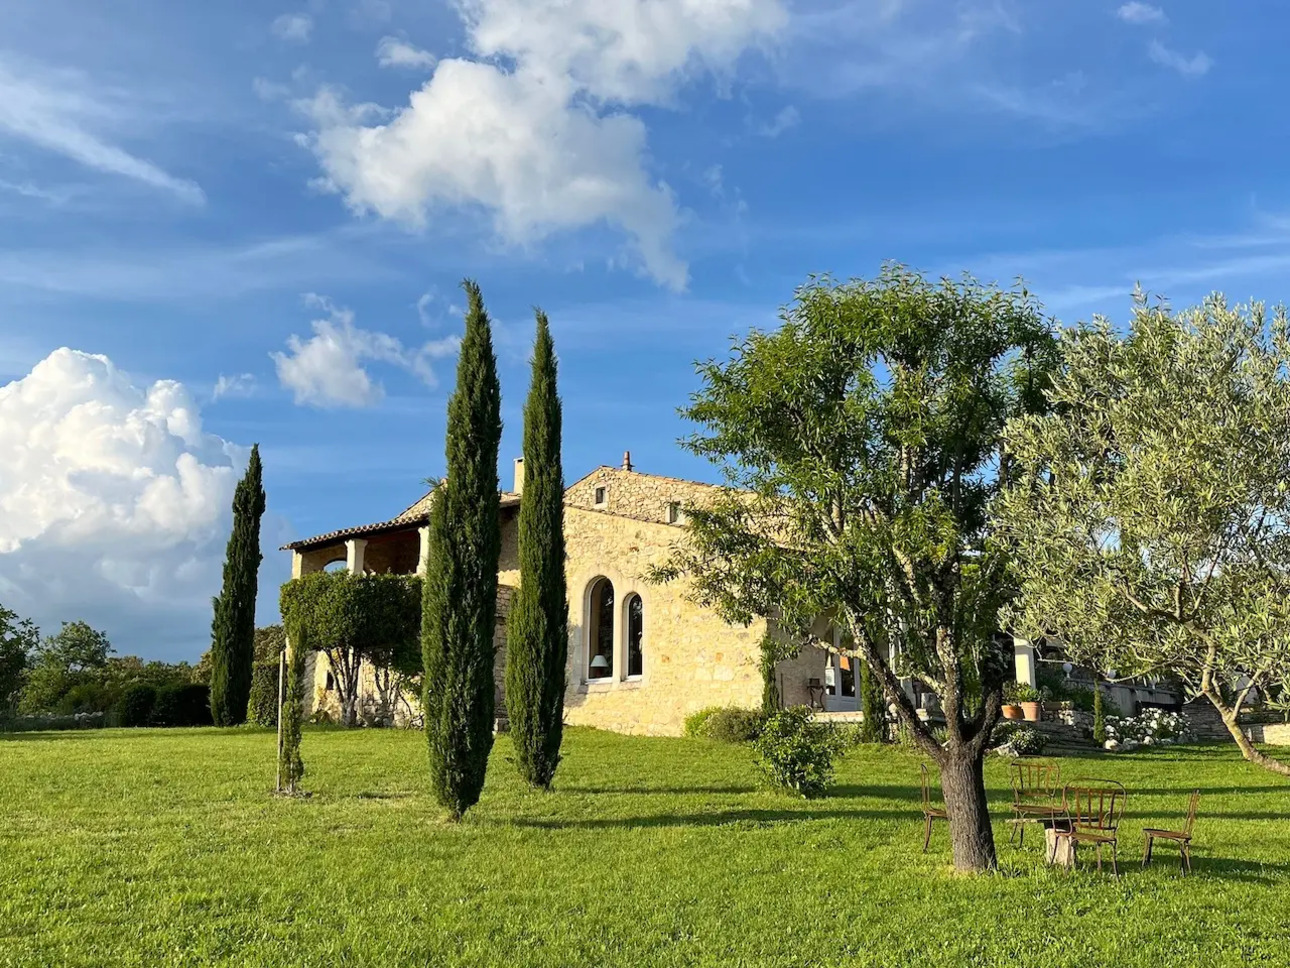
393	52
535	131
1137	12
114	503
327	369
1193	66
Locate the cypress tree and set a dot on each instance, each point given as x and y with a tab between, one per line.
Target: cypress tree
233	624
291	768
459	603
873	726
537	641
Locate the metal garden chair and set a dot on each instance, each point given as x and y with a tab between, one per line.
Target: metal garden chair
930	812
1092	815
1180	837
1036	791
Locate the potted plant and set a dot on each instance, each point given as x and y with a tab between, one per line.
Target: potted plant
1011	704
1028	698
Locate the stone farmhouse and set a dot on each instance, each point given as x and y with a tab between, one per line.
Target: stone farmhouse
641	656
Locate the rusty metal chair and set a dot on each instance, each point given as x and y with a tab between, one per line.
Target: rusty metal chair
930	812
1036	795
1180	837
1092	815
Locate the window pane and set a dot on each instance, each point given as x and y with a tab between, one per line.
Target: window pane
635	636
601	632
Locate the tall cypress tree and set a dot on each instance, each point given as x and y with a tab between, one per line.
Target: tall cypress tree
459	604
233	624
537	641
873	728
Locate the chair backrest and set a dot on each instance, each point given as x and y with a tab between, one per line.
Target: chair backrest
1096	807
927	787
1034	777
1192	806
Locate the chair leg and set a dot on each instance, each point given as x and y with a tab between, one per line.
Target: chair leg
1146	854
1186	858
1115	849
927	839
1021	834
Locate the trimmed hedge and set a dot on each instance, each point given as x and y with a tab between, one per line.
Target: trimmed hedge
188	704
135	706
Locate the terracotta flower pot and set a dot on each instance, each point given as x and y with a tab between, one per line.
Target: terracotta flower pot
1031	711
1012	712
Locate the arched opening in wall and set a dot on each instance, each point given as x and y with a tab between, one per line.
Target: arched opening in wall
635	611
600	630
338	564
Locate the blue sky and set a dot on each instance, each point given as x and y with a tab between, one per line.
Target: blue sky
189	189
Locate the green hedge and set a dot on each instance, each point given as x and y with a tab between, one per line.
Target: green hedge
135	706
188	704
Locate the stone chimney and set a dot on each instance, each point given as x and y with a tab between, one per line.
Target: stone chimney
627	460
519	476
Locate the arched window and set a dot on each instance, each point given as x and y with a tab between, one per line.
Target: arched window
635	636
600	630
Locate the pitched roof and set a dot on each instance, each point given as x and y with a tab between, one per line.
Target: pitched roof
417	514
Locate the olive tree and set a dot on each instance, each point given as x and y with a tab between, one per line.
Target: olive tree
861	444
1150	529
353	619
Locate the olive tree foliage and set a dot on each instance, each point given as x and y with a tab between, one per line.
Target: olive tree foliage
1151	527
356	618
861	444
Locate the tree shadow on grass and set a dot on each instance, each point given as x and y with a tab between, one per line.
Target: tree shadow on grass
724	818
660	790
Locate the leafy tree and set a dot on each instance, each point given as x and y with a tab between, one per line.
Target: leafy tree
76	655
537	641
1151	528
862	445
19	640
233	624
353	619
460	591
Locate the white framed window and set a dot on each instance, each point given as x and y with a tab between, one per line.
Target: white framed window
673	512
601	496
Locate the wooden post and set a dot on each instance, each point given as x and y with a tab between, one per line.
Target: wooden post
282	667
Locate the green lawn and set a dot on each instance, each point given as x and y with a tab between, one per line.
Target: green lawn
158	847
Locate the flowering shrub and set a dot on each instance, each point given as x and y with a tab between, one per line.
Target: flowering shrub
1151	727
1012	740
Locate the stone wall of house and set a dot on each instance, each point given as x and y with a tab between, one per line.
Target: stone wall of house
642	496
692	658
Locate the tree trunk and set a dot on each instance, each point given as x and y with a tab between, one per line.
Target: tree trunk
1231	719
963	785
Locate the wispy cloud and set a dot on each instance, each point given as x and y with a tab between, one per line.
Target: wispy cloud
238	385
393	52
1137	12
295	28
1194	66
788	117
60	112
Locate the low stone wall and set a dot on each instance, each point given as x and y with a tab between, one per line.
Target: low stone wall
1274	734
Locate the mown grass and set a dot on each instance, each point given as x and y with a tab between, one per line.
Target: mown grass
154	847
